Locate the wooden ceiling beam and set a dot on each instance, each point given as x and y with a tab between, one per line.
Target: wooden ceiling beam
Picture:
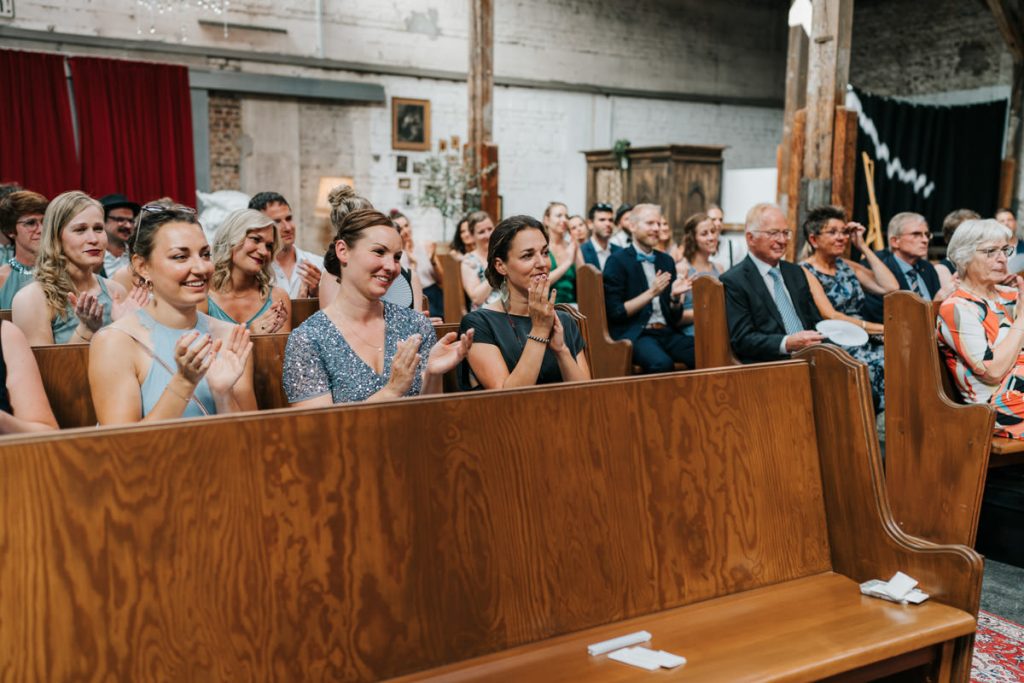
1010	20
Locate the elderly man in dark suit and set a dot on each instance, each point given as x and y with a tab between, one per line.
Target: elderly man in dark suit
768	302
599	247
907	258
645	299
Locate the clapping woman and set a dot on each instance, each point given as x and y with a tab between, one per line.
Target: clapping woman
360	347
520	340
68	302
242	288
168	359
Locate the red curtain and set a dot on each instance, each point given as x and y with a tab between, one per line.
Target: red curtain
135	123
38	149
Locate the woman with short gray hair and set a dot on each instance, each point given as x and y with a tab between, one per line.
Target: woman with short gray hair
980	335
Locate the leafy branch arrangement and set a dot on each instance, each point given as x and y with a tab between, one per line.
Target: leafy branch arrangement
450	185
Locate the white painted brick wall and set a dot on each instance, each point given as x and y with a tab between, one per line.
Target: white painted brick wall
720	47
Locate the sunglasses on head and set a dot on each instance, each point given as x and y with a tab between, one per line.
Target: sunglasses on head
603	206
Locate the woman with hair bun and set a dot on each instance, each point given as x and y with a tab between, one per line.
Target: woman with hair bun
360	347
169	359
242	285
68	302
521	340
402	292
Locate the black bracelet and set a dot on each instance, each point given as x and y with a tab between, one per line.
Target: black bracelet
542	340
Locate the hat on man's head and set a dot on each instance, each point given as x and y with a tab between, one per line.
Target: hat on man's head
118	201
623	209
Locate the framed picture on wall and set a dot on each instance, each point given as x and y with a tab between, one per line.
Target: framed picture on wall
410	124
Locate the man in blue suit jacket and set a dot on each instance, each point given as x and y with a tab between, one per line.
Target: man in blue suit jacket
598	248
907	258
644	299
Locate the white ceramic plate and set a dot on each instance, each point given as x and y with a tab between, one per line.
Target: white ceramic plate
843	333
1015	264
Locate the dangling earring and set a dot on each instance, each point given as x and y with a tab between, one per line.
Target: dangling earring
148	284
505	294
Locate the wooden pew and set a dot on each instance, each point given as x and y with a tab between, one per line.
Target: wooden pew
302	309
937	450
608	357
65	373
711	324
437	538
454	296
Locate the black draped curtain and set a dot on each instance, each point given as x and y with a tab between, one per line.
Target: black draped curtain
929	159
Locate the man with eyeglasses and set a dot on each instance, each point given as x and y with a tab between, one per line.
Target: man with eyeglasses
599	247
768	302
119	222
907	258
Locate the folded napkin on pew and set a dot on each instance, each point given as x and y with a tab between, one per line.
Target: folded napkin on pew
644	658
900	588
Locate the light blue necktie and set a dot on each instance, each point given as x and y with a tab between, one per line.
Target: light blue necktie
790	320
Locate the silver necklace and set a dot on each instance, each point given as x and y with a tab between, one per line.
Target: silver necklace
19	267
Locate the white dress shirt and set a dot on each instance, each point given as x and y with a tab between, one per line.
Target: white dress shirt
764	269
656	315
293	283
602	254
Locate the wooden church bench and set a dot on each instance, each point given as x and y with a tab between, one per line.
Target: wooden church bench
711	324
938	449
608	357
484	537
303	309
65	373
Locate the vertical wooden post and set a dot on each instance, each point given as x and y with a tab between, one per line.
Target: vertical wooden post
796	95
827	76
1011	158
482	152
844	159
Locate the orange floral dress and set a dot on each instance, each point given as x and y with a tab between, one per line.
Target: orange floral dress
969	327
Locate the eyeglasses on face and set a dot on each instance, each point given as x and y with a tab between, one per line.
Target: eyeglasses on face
918	233
992	252
30	223
121	219
776	234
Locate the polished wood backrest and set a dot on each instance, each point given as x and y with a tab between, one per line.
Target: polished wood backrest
936	451
865	540
64	369
454	296
581	321
302	309
5	314
711	324
65	372
373	540
608	357
268	369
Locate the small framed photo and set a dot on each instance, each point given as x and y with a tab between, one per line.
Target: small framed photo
405	183
410	124
417	167
401	163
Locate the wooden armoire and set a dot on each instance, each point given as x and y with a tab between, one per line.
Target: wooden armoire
682	179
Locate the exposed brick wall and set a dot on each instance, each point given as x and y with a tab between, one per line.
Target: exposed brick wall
916	47
225	142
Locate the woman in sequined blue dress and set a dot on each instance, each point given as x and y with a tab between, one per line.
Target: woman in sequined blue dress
360	348
838	284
